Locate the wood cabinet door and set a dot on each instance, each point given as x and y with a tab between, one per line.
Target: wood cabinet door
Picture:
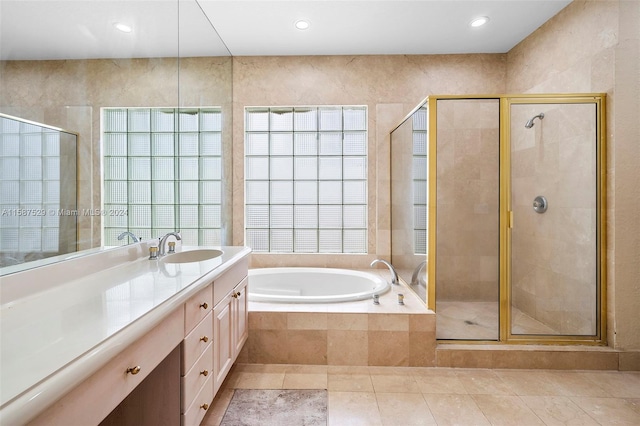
223	340
241	316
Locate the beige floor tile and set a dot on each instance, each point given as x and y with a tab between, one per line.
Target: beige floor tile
247	380
361	395
451	409
530	382
353	409
575	384
306	369
394	383
439	381
391	371
403	409
261	368
617	384
506	410
558	410
635	403
349	383
609	411
348	369
218	408
483	382
304	381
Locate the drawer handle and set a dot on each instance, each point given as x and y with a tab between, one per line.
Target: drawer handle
205	373
134	370
204	305
205	407
236	295
204	339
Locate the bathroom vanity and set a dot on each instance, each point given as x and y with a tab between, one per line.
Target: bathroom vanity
116	338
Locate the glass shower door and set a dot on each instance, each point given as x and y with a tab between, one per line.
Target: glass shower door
554	203
467	219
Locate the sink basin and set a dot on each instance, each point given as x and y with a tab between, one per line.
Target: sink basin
192	256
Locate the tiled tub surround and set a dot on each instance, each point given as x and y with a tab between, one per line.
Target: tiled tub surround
345	333
63	322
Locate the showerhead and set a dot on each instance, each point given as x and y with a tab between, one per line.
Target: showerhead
530	122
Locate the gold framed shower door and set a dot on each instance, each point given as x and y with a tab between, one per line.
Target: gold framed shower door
506	217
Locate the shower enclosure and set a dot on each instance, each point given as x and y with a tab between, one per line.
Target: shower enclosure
515	216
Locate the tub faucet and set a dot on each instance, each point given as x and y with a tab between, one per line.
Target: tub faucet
163	241
133	237
394	274
415	278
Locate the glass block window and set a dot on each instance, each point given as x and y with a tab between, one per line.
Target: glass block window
420	181
162	173
306	179
30	177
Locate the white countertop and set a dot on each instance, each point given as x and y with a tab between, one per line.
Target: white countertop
57	335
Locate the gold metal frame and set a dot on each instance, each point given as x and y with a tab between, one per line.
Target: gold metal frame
506	217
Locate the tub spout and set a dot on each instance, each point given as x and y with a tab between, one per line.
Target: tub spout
394	274
415	278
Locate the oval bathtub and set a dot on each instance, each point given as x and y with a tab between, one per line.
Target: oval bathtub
312	285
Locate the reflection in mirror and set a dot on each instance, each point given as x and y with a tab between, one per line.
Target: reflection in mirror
409	200
63	63
38	208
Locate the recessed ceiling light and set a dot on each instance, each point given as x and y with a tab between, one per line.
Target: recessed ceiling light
302	24
479	21
123	27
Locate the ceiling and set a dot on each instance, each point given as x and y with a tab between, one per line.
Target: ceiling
75	29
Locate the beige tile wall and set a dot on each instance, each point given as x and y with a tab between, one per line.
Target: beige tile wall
391	86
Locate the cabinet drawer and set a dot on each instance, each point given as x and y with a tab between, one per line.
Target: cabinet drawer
201	404
92	400
196	377
196	343
227	281
196	308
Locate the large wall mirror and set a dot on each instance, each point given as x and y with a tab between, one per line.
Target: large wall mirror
64	63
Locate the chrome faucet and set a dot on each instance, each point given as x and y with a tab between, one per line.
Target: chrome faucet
415	278
133	237
163	240
394	274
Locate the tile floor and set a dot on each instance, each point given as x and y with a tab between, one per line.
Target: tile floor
403	396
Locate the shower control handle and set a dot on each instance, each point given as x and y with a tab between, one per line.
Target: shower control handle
540	204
